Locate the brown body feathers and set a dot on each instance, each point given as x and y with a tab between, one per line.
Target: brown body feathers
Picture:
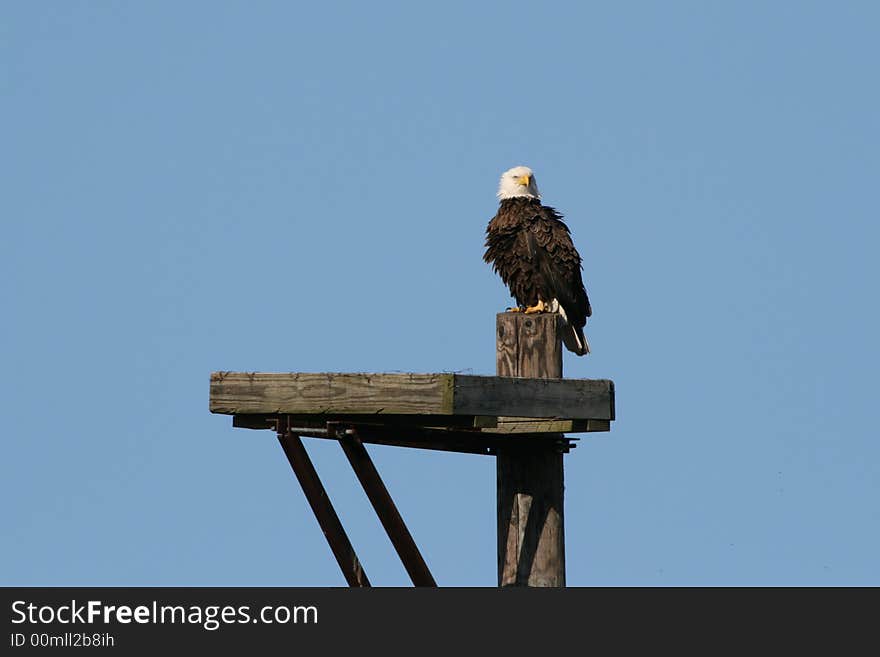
530	247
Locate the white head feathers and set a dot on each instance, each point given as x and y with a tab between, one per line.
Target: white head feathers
518	181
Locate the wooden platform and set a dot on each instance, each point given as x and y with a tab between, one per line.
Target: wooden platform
453	412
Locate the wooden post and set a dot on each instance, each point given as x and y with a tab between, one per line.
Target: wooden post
531	538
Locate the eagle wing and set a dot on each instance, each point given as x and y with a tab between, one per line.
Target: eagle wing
558	264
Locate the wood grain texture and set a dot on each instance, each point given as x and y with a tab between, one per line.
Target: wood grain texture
528	343
531	537
530	480
234	393
510	425
263	392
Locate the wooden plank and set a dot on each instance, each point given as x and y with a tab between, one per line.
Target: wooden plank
598	425
536	425
411	394
481	424
530	481
260	421
571	399
319	420
264	392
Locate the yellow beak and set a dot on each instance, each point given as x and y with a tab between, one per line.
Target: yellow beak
524	180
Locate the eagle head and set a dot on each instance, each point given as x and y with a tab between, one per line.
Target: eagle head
518	181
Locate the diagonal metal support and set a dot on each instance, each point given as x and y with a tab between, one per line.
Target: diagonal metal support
384	506
320	503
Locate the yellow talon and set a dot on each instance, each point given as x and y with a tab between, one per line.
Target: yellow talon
515	309
537	308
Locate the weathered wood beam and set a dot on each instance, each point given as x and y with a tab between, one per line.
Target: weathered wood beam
411	394
266	392
531	528
571	399
481	424
445	440
266	420
536	425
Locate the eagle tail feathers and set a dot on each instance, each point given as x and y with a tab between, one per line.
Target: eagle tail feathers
574	340
572	336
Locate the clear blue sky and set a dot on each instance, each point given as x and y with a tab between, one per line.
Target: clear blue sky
279	186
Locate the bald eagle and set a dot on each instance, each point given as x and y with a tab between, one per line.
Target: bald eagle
531	249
